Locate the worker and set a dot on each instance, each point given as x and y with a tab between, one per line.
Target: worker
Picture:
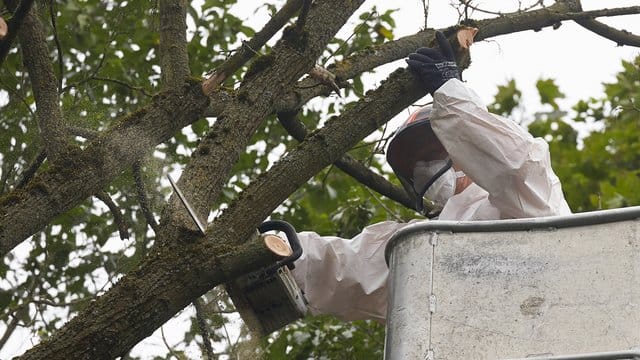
474	164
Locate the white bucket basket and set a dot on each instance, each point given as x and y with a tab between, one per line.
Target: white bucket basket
540	288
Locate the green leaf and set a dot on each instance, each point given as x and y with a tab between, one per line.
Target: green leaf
549	92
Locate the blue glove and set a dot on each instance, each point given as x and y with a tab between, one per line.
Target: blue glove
435	65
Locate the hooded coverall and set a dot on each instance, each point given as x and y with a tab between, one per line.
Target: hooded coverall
512	176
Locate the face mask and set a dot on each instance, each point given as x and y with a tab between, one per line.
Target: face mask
443	187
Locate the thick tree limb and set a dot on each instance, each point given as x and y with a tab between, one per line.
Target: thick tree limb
174	58
205	176
16	207
167	281
19	12
351	166
177	272
81	174
44	85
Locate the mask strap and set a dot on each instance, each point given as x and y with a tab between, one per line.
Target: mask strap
434	178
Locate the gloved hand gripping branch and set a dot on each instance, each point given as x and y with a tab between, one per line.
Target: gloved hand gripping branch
435	65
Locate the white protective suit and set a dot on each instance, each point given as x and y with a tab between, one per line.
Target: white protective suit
512	177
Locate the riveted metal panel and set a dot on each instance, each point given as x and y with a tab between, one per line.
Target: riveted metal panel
528	287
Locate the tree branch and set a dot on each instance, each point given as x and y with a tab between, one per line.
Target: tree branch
203	327
141	194
118	219
351	166
169	112
169	279
251	47
205	176
373	57
11	327
32	168
85	172
44	85
13	25
174	58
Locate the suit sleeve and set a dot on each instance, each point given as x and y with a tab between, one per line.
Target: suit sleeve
346	278
497	154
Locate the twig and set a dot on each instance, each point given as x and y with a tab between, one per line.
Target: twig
249	48
385	207
53	14
122	83
425	7
141	194
123	229
32	168
164	340
61	304
90	77
355	31
224	327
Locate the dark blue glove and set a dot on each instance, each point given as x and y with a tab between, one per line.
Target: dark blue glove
435	65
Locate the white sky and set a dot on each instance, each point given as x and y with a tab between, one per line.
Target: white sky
577	59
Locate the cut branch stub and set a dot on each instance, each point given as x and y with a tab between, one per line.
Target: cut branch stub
465	36
4	29
277	245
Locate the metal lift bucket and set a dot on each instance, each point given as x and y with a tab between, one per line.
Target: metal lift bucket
541	288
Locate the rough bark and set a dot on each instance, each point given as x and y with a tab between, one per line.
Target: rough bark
161	125
174	58
269	77
44	84
178	272
185	265
168	280
80	174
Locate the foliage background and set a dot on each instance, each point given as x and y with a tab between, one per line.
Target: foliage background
108	68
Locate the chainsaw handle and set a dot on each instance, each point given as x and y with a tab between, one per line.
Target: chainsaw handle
292	236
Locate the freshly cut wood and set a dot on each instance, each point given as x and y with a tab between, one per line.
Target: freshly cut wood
466	35
4	29
277	245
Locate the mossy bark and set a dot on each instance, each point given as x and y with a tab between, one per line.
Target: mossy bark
184	265
77	174
167	281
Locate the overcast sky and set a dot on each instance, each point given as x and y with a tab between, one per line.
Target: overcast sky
578	59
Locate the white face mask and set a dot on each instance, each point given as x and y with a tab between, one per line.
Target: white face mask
443	187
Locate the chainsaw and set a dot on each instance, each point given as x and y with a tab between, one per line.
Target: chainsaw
269	298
